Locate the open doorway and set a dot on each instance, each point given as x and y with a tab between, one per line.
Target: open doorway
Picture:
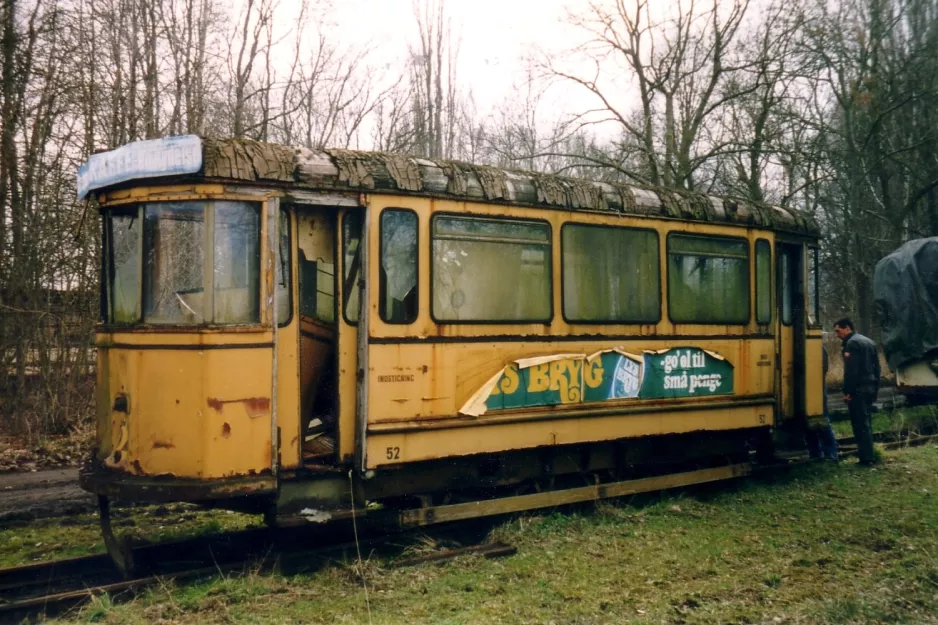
316	262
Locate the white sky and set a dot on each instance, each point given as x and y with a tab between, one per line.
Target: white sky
496	36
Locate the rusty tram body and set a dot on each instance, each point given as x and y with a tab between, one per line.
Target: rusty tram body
296	333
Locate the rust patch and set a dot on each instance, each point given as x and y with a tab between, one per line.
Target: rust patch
255	406
163	445
226	430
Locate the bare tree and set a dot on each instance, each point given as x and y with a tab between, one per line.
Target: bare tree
433	80
685	68
248	40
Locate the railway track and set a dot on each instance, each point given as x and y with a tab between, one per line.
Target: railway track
49	588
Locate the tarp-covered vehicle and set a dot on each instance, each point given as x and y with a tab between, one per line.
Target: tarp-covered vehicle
905	289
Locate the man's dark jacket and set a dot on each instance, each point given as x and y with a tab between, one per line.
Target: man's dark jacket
861	365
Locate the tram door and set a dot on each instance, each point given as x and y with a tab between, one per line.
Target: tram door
316	269
791	331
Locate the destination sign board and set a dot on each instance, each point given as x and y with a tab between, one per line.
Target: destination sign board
142	159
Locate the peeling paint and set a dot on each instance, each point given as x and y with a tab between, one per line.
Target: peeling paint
163	445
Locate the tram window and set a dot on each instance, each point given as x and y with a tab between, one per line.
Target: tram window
175	258
352	263
490	270
763	282
124	267
708	279
398	270
236	263
813	288
785	264
284	292
173	263
610	274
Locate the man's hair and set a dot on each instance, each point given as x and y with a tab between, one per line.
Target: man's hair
843	322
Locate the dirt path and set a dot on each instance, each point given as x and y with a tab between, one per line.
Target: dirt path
51	492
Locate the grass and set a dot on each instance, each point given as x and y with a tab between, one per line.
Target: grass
822	543
78	535
901	421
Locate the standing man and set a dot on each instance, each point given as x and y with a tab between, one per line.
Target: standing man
861	383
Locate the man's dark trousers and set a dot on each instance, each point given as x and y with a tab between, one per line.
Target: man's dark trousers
860	408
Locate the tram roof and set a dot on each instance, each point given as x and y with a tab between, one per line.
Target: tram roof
245	160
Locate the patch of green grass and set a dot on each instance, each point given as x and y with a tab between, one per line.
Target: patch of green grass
78	535
98	608
819	543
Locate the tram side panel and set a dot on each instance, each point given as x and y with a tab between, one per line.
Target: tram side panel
438	390
432	401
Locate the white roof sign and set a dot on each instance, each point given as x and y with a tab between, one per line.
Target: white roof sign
141	159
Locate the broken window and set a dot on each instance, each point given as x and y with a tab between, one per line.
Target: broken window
124	267
352	263
284	290
180	241
398	271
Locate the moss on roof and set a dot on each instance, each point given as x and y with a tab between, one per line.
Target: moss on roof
254	161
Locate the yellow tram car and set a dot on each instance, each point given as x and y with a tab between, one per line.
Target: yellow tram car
297	332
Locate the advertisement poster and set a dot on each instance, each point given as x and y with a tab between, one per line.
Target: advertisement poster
608	375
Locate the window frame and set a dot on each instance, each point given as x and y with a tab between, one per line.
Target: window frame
813	259
484	322
381	286
140	207
343	301
283	209
696	235
563	300
755	258
107	257
785	277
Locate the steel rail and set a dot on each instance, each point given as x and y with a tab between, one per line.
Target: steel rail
47	589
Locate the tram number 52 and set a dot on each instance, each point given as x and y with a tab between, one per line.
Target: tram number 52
393	453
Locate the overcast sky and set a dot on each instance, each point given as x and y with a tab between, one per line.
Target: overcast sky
495	38
495	35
